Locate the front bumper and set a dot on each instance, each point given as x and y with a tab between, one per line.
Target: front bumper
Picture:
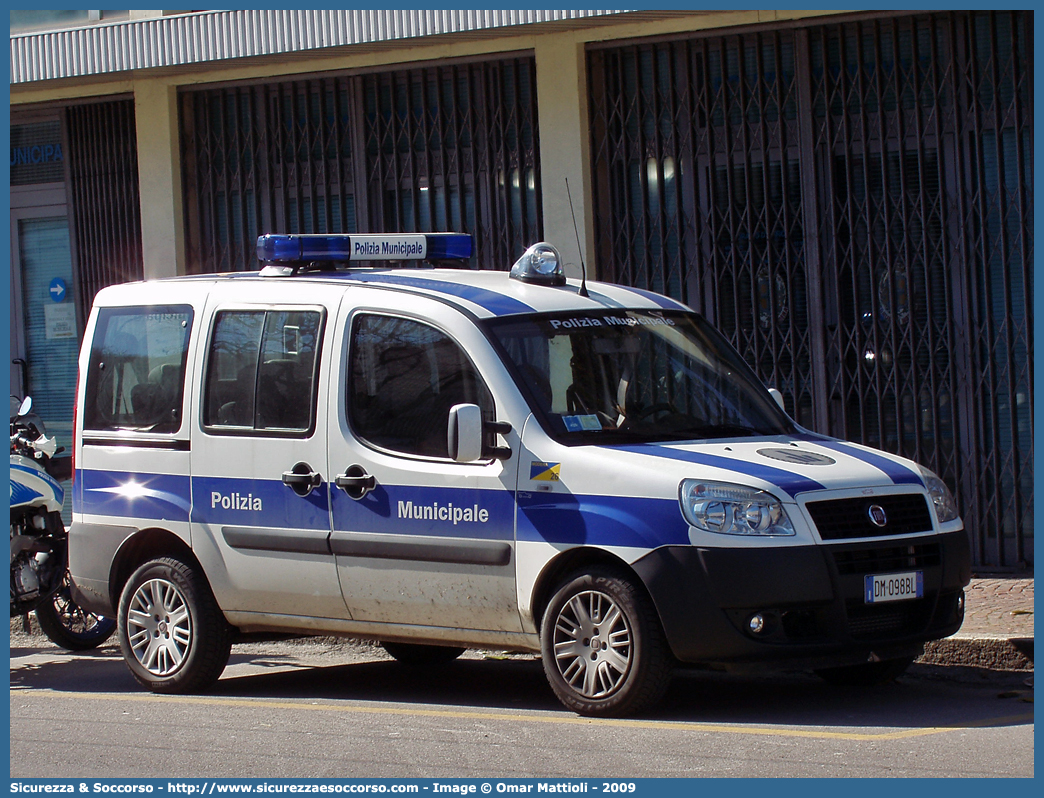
811	598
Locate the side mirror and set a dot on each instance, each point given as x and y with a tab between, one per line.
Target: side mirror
778	397
464	434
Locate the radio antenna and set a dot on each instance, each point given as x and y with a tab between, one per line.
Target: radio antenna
576	230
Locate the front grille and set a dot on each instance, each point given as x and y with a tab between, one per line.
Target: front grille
868	622
842	519
885	559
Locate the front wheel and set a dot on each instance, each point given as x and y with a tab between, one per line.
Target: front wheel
602	645
70	626
866	674
172	633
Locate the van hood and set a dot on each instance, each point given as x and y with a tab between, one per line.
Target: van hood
785	465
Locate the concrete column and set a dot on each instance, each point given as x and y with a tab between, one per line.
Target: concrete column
159	178
561	71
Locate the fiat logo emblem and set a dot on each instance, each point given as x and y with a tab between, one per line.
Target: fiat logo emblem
877	514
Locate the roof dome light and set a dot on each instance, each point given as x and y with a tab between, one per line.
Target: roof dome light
540	264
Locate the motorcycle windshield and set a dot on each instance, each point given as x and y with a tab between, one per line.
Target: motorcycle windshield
28	421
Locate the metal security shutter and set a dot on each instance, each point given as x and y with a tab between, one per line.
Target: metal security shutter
106	213
264	158
451	147
455	148
851	204
923	144
698	190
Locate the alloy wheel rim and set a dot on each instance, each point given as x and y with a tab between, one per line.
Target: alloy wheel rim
593	644
159	627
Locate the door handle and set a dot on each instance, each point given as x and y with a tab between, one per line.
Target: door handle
356	482
302	479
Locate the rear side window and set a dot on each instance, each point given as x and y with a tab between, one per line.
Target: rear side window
405	377
261	371
136	376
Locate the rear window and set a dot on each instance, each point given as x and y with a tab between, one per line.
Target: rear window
136	376
262	372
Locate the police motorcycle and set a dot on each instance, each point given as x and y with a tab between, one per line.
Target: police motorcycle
39	551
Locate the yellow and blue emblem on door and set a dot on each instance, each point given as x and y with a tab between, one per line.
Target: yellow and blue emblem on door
544	472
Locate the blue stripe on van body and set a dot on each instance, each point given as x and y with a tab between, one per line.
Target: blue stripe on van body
495	303
561	518
664	302
897	472
418	510
244	502
213	500
160	497
790	482
569	519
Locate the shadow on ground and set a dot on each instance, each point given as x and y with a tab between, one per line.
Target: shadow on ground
923	697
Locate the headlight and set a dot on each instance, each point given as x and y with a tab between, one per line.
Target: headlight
732	509
945	504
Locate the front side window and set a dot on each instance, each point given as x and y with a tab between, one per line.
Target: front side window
405	376
636	376
261	371
136	376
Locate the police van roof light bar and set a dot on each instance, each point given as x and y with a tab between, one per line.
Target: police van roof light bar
299	250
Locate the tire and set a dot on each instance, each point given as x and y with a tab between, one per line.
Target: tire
173	636
866	674
632	666
417	655
68	625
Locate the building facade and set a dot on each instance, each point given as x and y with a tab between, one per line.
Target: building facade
847	196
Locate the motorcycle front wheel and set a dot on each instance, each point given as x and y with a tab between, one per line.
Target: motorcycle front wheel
70	626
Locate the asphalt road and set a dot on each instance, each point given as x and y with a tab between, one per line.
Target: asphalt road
332	709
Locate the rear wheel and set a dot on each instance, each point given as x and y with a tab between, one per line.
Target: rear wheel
866	674
172	633
603	646
421	656
70	626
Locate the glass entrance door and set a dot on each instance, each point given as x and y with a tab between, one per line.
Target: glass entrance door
44	334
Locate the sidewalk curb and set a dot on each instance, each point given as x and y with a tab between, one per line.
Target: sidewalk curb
996	653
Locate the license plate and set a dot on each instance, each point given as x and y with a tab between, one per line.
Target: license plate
878	588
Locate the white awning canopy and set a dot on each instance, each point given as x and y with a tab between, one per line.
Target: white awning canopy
203	37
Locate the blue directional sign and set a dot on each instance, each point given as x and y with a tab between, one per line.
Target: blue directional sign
57	289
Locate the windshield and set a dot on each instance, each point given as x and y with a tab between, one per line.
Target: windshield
636	376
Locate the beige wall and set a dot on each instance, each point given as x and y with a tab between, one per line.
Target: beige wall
561	96
562	118
159	179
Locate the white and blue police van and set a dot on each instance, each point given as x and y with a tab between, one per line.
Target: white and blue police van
441	458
